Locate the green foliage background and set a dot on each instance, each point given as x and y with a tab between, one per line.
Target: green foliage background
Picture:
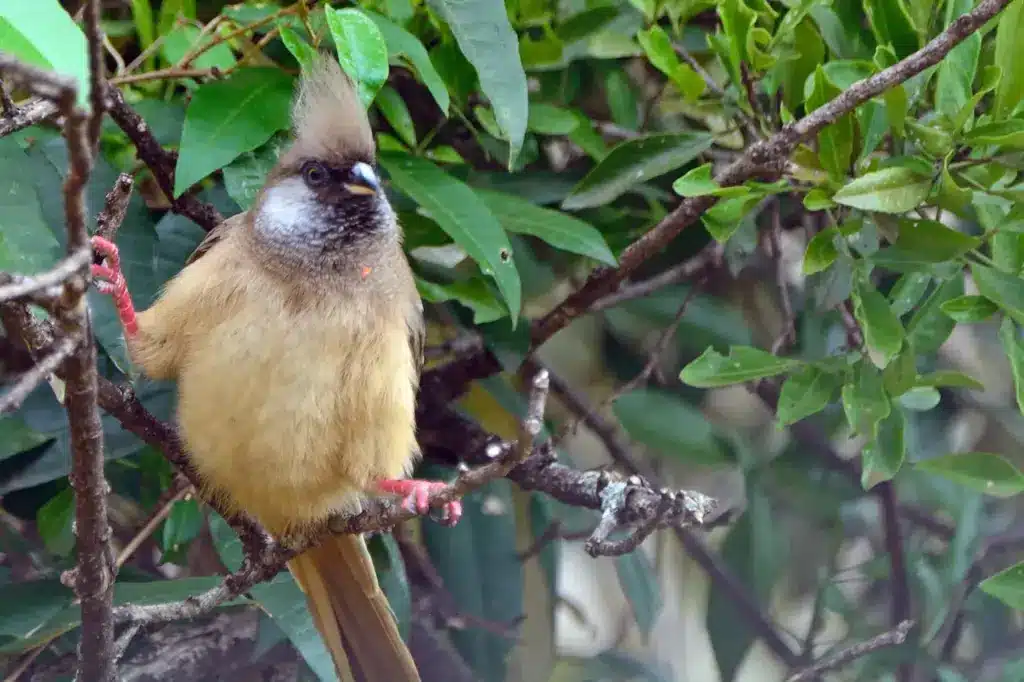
526	143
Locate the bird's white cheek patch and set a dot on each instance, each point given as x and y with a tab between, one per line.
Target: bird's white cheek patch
289	211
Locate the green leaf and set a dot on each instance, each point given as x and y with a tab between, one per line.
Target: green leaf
699	182
908	291
865	401
883	331
394	582
1010	340
634	162
810	52
969	308
486	38
558	229
404	45
463	215
821	251
727	216
900	375
669	426
1009	133
1008	250
473	293
1010	90
640	587
712	369
43	34
362	51
304	53
245	176
27	246
818	200
16	436
835	141
920	398
1006	291
184	38
663	57
950	379
929	327
931	241
547	119
1007	586
884	456
182	525
284	601
54	521
805	393
891	24
227	118
980	471
891	190
397	114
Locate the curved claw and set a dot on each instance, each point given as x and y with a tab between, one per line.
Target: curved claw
416	497
110	280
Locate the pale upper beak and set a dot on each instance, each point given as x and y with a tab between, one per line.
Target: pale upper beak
365	180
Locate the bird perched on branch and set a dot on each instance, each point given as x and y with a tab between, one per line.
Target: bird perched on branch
295	334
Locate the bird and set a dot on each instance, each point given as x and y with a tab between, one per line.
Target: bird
295	335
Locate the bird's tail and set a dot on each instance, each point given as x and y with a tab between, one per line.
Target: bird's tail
352	613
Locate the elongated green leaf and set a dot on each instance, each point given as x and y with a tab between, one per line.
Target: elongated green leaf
883	331
908	291
547	119
884	456
669	426
931	241
805	393
27	246
397	114
890	22
663	57
473	293
969	309
1009	133
284	601
982	471
950	379
891	190
486	38
712	369
1010	89
955	78
185	39
821	251
1008	587
865	401
43	34
640	586
229	117
404	45
929	327
54	521
1015	352
557	229
835	141
632	163
1006	291
794	72
463	215
362	51
304	53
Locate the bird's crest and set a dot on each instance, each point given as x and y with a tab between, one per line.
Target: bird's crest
327	116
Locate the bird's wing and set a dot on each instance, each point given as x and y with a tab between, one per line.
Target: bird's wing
214	236
417	336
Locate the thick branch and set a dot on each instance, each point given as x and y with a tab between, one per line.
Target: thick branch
29	114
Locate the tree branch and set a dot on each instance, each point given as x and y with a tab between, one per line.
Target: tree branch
894	637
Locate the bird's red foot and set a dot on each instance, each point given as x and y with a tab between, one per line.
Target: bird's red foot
416	494
110	280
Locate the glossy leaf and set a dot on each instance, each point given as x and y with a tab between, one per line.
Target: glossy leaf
1006	291
865	401
1010	90
473	293
42	33
883	331
1009	133
463	215
404	45
547	119
929	327
227	118
182	525
931	241
969	308
884	456
805	393
362	52
981	471
908	291
55	522
1010	340
662	55
890	22
669	426
27	246
397	114
835	141
821	251
558	229
304	53
632	163
712	369
486	38
1007	586
950	379
892	190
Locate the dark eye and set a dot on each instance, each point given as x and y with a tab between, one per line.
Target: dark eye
314	174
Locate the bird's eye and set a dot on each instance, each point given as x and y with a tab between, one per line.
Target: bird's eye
314	174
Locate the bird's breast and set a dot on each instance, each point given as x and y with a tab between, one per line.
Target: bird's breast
291	412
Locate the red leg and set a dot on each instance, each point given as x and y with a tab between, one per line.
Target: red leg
416	493
110	280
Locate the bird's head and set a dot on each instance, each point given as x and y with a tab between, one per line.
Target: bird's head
323	199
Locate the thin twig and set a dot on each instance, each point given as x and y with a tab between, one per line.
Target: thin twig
20	287
108	222
151	524
892	638
97	73
28	114
29	380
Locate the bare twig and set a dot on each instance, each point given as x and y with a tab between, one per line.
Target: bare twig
108	222
899	590
15	287
45	367
97	73
893	637
29	114
613	502
180	491
93	577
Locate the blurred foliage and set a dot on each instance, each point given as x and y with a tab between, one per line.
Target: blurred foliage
525	143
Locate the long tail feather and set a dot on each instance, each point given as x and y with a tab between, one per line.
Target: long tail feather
352	613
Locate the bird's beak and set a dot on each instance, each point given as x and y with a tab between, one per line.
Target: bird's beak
365	181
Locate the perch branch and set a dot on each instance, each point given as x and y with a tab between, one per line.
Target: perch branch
893	637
